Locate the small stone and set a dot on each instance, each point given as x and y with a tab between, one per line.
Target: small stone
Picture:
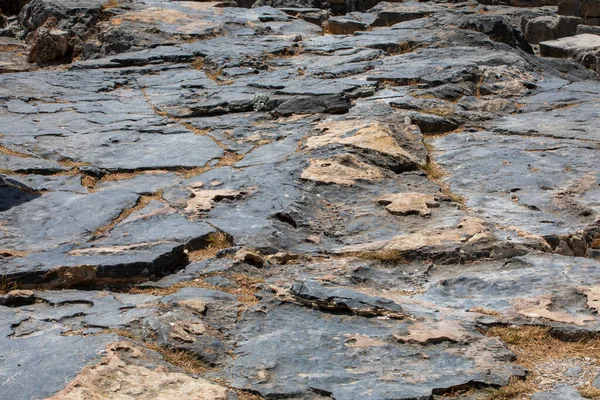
16	298
249	257
573	371
313	239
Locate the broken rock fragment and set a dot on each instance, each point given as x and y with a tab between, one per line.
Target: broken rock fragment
409	203
203	200
370	136
48	45
342	169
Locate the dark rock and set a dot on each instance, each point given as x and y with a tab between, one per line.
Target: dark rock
499	29
579	8
584	48
546	28
48	45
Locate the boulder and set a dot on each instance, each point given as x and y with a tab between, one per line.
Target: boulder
592	30
584	48
499	29
48	45
545	28
580	8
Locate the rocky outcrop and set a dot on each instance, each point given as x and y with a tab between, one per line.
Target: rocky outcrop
298	200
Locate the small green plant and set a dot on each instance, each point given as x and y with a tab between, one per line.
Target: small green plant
259	101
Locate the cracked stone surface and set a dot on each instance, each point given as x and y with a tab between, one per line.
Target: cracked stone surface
296	199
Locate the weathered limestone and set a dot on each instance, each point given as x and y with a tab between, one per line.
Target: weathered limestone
584	48
297	198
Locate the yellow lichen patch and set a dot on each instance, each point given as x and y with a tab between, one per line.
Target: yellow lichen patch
356	133
342	169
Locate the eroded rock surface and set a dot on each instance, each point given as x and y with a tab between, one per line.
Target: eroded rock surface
296	199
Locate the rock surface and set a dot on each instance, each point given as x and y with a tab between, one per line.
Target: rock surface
298	199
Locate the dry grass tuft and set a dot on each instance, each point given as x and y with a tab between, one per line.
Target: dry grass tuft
433	170
89	182
216	241
515	389
589	392
595	244
245	292
142	202
247	288
440	111
10	152
435	173
198	63
485	311
385	256
7	284
110	4
229	158
183	359
533	345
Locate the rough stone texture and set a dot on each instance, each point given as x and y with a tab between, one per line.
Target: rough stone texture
584	48
322	200
546	28
48	45
579	8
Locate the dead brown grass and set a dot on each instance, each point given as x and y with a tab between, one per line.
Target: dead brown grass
229	158
435	173
7	284
595	244
89	182
10	152
433	170
110	4
485	311
385	256
198	63
534	345
183	359
216	241
515	389
440	111
245	292
142	202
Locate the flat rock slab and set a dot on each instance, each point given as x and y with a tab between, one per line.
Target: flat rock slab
583	48
528	183
293	351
